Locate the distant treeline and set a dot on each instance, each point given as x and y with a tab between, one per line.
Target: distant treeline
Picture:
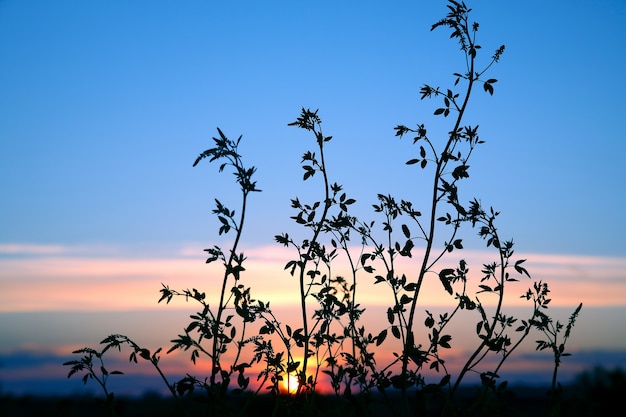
594	393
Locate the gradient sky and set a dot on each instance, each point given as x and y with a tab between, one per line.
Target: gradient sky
106	104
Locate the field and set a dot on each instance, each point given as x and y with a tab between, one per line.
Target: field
597	400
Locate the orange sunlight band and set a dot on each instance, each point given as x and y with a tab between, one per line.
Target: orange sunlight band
56	282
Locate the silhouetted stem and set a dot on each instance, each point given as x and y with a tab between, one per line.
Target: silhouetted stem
441	163
215	359
470	362
170	388
313	243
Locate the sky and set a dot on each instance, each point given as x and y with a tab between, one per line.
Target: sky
106	104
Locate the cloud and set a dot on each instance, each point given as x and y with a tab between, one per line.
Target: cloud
57	277
24	249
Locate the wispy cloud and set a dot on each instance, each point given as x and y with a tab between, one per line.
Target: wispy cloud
29	249
57	277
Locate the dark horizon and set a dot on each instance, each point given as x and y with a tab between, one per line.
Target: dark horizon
31	355
598	393
28	374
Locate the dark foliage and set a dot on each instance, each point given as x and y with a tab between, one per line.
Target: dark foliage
329	342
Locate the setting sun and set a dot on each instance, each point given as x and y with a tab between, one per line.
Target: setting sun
290	384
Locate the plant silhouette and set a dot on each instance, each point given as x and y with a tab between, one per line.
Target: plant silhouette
404	247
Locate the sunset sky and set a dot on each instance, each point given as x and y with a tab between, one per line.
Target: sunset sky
106	104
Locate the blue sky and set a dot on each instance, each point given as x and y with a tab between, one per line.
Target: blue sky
106	104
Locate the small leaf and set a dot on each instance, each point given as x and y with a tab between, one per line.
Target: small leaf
144	353
293	366
445	280
520	269
390	315
381	337
444	341
395	331
485	288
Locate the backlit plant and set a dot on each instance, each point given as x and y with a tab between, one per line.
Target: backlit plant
406	245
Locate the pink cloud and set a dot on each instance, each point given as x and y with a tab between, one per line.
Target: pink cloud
58	280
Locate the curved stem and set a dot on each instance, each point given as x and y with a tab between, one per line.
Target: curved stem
312	245
441	163
216	366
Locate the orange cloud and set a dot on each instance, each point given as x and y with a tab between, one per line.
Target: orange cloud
57	279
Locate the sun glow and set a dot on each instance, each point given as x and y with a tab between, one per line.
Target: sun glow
290	384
